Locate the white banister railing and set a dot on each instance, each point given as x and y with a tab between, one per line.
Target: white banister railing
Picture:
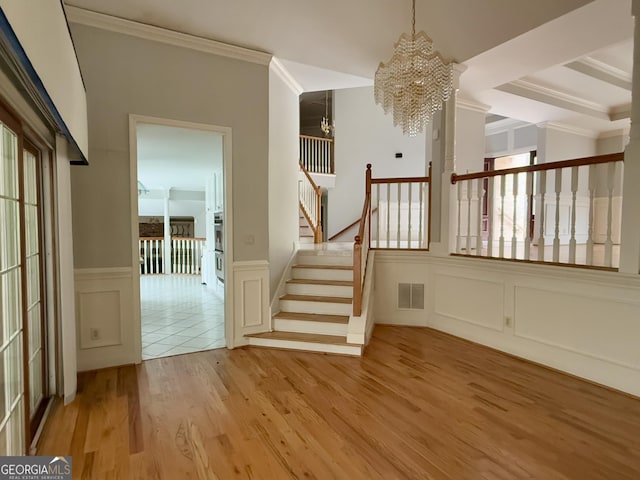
558	212
310	200
186	255
316	154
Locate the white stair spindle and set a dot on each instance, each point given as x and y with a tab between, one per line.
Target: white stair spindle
479	194
527	239
593	182
574	192
388	245
608	246
490	214
420	227
469	191
556	238
399	190
409	215
543	192
459	220
503	181
514	237
378	215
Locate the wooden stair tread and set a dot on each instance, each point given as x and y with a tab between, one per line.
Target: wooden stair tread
334	283
305	338
325	267
316	298
312	317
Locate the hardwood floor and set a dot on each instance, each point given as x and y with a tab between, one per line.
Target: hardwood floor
419	405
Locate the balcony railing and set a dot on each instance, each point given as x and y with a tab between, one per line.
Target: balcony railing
186	255
316	154
565	212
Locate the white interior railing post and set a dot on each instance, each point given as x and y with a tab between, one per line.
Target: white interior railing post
556	238
543	192
479	195
459	186
608	246
490	211
378	215
574	193
409	216
529	208
503	182
399	190
469	188
514	238
593	182
421	214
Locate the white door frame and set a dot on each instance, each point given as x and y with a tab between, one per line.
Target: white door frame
134	120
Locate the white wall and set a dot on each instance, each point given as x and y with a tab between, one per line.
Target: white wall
582	322
556	144
364	134
284	120
470	140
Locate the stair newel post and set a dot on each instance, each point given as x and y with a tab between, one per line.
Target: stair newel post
357	276
367	189
318	231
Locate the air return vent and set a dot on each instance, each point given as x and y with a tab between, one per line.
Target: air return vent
411	296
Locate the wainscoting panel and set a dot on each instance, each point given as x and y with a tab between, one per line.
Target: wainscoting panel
594	326
471	300
586	323
105	317
250	299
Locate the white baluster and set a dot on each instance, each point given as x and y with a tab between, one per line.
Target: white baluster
490	214
543	192
378	215
527	239
388	185
574	192
608	246
469	191
479	194
556	238
399	189
514	237
459	187
502	194
593	182
409	214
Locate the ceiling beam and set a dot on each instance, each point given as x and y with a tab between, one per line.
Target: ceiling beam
602	71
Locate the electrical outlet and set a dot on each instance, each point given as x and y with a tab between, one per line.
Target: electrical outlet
94	333
507	321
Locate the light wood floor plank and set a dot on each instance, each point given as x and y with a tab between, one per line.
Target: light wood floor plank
419	404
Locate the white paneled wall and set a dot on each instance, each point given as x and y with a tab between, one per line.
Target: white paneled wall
582	322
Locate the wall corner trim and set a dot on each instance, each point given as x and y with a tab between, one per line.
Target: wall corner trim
89	18
284	75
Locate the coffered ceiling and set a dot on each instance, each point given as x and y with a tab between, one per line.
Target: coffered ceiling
565	61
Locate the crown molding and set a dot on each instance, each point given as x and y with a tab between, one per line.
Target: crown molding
89	18
564	128
276	67
602	71
619	132
505	125
472	105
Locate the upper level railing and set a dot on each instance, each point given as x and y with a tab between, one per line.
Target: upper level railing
186	255
566	213
402	222
310	200
316	154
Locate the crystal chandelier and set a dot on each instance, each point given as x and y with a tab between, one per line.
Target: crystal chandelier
327	128
415	83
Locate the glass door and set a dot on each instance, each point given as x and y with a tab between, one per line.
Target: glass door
33	279
12	425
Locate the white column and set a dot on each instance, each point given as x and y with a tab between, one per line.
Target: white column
166	256
630	233
448	204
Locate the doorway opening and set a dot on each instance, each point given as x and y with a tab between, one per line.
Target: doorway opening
181	242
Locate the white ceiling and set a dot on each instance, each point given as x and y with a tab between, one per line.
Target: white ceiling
520	55
179	158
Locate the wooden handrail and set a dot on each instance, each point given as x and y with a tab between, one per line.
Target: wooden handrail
350	226
577	162
322	139
172	238
401	180
317	229
358	277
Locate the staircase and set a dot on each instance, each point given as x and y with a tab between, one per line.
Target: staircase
305	233
314	312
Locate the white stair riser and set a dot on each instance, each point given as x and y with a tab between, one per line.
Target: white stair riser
306	240
322	274
313	258
322	308
319	290
303	326
306	346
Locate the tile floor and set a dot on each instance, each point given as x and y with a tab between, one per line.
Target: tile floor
180	315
